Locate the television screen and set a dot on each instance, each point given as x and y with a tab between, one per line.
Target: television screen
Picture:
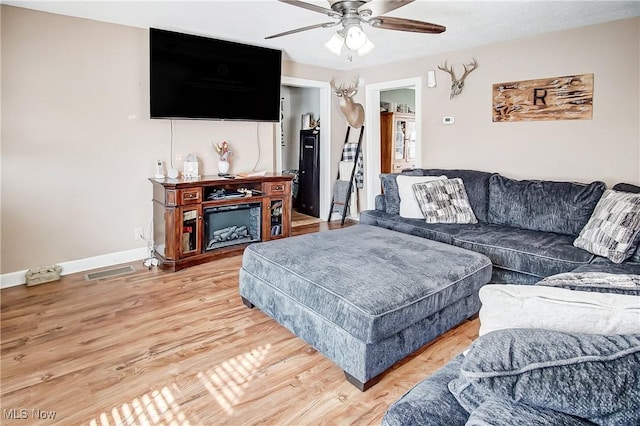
203	78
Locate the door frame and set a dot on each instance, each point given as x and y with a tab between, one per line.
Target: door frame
325	137
372	117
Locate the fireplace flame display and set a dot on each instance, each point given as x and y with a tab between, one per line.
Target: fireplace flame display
231	225
229	233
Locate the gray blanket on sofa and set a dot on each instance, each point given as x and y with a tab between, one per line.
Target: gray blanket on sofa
595	281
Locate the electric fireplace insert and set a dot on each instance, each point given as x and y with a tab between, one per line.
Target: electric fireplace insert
232	224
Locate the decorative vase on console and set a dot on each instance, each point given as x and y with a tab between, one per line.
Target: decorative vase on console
223	166
225	153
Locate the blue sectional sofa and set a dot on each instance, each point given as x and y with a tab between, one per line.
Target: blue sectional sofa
526	227
548	368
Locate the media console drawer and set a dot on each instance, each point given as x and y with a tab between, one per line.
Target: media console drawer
276	188
191	196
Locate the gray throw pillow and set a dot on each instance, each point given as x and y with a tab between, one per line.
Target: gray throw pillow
444	201
614	227
590	376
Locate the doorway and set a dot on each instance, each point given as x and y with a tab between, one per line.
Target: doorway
397	130
303	101
300	146
372	116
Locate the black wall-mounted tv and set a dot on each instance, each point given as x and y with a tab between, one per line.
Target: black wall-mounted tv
194	77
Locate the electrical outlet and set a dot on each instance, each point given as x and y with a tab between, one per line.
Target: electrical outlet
138	234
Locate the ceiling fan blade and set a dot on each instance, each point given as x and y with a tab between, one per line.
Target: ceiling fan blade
310	27
310	6
385	6
401	24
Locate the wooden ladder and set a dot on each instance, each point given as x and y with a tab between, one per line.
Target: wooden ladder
345	203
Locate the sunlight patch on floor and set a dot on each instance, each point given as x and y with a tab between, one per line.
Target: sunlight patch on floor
227	381
155	408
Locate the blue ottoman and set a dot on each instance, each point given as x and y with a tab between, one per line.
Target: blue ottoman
363	296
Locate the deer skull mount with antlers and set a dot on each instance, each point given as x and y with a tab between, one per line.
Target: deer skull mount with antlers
458	84
352	111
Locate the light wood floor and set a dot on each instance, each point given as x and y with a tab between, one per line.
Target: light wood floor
180	349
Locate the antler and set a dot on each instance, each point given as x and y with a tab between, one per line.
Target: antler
343	87
472	66
332	83
458	84
449	70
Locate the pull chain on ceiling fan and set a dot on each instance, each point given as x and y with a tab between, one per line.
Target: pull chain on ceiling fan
352	14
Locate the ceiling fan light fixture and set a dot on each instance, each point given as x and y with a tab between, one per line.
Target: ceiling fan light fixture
368	47
355	38
335	43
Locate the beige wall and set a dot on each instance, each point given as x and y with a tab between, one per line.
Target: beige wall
604	148
78	145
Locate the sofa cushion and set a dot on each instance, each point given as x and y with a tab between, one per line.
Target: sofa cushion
559	309
428	401
585	375
602	264
409	207
601	282
614	227
531	252
444	201
561	207
536	254
634	189
504	276
391	191
476	184
502	411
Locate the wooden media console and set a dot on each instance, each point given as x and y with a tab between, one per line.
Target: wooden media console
196	220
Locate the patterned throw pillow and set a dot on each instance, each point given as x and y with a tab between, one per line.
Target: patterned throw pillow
444	201
409	207
614	226
634	189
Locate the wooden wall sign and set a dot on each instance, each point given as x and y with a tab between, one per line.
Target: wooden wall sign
558	98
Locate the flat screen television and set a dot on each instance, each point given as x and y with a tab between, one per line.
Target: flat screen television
194	77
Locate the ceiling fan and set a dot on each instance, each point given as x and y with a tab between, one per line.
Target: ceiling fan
351	14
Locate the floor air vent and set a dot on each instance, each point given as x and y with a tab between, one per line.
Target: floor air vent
107	273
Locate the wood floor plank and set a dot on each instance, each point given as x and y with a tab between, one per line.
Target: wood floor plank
154	347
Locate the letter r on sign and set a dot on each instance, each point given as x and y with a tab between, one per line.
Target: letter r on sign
539	94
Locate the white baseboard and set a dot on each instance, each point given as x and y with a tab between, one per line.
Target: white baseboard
18	278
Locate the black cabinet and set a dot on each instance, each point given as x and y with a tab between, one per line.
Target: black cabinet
308	199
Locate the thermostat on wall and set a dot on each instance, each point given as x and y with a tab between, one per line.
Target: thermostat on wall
448	120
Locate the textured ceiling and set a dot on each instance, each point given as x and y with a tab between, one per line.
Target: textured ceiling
469	23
